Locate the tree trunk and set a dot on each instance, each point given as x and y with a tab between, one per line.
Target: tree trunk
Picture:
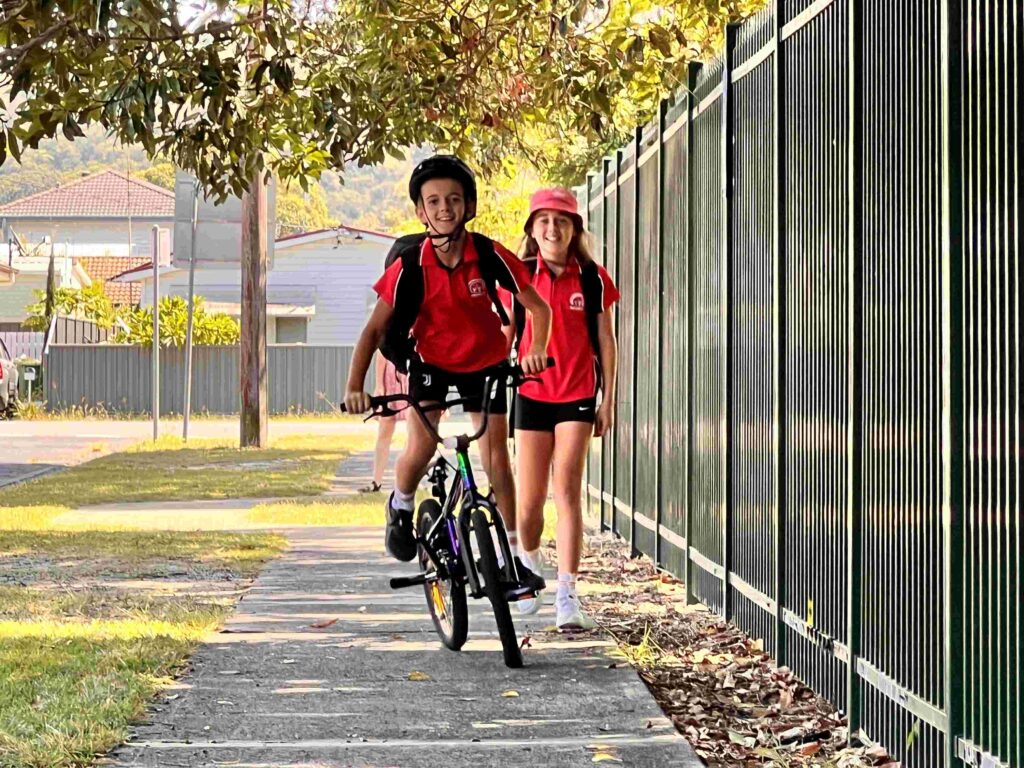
254	315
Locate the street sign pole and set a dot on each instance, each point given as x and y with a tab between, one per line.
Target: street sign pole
156	332
191	311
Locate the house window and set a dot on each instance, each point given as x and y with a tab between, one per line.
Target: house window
291	330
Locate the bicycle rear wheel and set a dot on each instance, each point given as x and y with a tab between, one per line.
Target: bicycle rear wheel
446	599
495	590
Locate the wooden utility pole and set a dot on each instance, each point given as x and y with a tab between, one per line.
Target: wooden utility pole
254	315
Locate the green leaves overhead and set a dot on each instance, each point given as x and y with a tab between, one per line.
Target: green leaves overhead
298	88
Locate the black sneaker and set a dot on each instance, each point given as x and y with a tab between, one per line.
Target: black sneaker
399	541
528	578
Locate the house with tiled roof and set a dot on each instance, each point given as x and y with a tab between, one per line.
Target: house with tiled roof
319	286
97	226
103	214
102	268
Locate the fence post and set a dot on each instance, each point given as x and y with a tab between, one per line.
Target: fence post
855	385
779	321
691	85
638	134
605	165
618	314
588	481
156	332
951	55
662	111
726	314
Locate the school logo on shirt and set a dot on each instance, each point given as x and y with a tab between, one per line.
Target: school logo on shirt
477	288
576	302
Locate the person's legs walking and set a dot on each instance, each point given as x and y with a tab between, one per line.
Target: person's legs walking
572	438
533	466
382	451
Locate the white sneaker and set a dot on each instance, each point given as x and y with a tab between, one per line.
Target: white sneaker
569	615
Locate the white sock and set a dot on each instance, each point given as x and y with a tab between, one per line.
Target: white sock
513	542
406	501
566	585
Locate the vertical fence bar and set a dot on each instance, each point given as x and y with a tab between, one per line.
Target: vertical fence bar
691	84
618	315
659	364
725	314
606	524
779	327
951	53
638	134
855	386
588	481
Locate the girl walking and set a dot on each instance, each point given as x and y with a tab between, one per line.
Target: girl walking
557	415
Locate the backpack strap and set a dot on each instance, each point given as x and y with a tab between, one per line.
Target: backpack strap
396	345
593	303
492	269
401	245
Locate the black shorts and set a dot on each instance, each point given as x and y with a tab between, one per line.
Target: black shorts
538	416
427	383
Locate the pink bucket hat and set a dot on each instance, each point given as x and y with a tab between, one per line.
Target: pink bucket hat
554	199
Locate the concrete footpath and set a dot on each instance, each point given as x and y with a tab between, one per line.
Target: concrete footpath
323	665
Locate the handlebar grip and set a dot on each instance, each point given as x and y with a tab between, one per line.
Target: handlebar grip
551	362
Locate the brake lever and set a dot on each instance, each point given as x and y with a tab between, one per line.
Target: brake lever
384	411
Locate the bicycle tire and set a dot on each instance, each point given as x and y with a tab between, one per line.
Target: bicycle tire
446	599
495	591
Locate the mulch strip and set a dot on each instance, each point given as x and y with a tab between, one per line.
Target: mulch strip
728	697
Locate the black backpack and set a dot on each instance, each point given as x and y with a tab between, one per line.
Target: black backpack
593	305
397	345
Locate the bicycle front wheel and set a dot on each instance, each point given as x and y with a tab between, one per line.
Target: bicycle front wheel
446	599
495	590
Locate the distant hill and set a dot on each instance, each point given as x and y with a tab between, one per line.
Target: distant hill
374	197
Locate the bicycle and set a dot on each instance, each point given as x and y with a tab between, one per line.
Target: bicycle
446	526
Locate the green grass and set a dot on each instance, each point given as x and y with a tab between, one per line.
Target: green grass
38	411
137	554
102	617
83	650
358	510
167	470
351	510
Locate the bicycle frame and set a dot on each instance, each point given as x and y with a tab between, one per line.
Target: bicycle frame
463	496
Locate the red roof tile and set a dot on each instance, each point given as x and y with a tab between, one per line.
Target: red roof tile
105	193
102	268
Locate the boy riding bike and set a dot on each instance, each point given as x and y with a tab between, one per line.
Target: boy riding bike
440	319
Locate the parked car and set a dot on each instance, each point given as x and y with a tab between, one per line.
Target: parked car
8	382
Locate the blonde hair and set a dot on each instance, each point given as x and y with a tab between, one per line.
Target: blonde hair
579	246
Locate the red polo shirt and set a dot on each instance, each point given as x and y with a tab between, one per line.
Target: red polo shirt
574	376
457	328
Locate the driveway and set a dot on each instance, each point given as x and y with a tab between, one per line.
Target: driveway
24	456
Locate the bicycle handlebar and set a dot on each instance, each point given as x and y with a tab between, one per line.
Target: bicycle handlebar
503	371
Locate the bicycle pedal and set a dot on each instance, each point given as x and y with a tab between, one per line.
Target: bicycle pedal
519	593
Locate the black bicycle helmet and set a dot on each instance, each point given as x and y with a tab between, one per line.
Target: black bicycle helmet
442	167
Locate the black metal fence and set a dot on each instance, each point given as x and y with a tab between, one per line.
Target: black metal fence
819	427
